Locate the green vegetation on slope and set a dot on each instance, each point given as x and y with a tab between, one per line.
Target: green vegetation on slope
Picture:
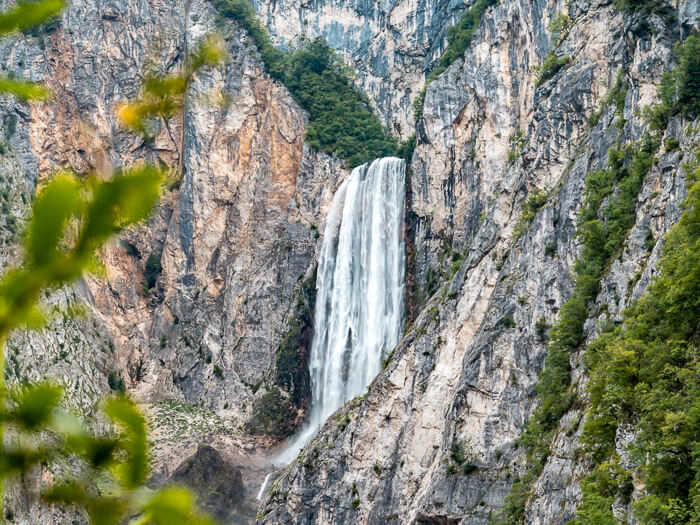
459	36
645	373
602	232
551	65
292	371
72	218
341	121
273	414
679	89
647	7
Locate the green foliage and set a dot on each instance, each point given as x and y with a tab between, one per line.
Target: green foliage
218	372
469	468
534	203
559	27
459	36
517	143
163	95
116	382
152	270
432	281
406	148
419	102
22	89
602	232
121	457
551	65
645	372
461	457
541	329
599	490
26	15
616	96
508	322
103	208
679	89
243	13
341	121
646	7
292	372
274	415
71	219
671	144
458	452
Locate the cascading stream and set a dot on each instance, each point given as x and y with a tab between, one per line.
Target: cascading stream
360	282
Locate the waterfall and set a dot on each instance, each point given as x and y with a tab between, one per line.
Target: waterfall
263	487
360	281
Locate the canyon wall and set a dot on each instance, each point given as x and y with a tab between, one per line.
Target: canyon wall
463	376
237	238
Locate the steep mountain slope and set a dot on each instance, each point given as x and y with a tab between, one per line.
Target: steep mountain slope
193	305
498	179
203	312
390	44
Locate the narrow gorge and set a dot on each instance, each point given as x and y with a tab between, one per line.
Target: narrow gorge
394	262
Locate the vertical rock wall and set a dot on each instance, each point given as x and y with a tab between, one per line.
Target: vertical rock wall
434	440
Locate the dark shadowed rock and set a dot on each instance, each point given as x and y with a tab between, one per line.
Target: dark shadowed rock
217	484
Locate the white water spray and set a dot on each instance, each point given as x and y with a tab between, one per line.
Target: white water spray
360	282
263	487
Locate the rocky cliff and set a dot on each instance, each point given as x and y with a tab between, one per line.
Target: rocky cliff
390	44
195	305
434	440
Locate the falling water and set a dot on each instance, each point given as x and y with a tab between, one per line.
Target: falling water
263	487
359	290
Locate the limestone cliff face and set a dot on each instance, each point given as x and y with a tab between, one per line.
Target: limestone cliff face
465	370
236	238
236	235
389	43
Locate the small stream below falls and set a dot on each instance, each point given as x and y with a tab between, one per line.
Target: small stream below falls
360	285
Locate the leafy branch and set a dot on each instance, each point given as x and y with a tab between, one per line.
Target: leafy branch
72	218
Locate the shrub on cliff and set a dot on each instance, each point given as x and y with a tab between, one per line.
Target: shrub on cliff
679	89
341	121
551	65
273	414
459	36
152	270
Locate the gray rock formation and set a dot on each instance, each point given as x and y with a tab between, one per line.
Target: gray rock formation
391	44
462	378
237	239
